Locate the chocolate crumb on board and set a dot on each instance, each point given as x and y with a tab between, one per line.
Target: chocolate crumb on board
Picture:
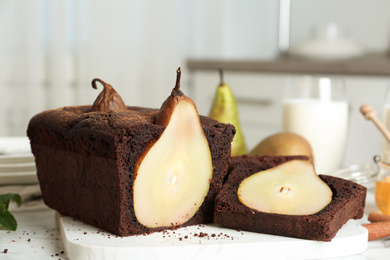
202	234
5	251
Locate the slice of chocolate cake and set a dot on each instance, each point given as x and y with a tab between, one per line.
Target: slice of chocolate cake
348	201
89	159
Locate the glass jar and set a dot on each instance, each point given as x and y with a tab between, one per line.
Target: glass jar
382	187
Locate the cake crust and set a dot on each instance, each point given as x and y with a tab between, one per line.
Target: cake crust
86	161
348	202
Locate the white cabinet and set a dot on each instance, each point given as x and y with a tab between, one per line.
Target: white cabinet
259	97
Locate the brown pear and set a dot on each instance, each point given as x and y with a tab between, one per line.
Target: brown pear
284	143
172	101
108	100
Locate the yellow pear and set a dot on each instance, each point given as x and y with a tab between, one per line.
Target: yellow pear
284	143
224	109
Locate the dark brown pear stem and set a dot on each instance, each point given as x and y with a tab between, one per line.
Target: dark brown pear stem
178	76
220	77
105	85
176	90
108	100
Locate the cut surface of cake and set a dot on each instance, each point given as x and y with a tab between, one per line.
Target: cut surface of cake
89	160
347	202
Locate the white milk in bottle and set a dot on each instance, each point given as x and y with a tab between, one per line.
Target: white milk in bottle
324	124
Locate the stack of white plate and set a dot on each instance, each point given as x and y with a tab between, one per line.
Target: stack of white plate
17	165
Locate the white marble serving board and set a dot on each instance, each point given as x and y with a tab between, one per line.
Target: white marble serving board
82	241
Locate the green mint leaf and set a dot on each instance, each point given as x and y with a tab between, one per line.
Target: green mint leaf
6	198
3	209
7	221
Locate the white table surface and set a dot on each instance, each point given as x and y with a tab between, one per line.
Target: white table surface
37	237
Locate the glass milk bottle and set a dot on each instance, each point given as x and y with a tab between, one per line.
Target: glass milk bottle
317	109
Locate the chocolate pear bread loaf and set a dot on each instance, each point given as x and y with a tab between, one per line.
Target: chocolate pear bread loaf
88	159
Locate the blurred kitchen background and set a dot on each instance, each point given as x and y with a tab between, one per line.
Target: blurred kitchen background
51	50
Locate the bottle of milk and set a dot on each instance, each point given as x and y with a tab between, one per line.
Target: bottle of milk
317	109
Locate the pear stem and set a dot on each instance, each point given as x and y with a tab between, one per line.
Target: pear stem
221	76
178	76
101	81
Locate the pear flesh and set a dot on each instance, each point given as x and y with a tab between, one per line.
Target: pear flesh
291	188
173	178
